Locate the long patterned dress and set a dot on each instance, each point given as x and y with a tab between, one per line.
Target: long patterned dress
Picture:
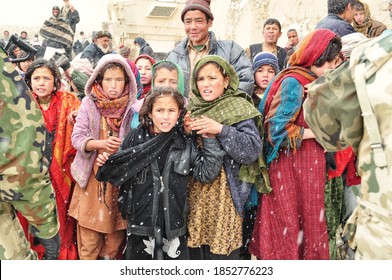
290	222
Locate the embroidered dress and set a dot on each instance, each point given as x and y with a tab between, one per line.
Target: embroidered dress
213	220
290	221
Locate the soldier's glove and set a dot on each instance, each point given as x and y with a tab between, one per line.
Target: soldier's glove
52	247
61	60
330	157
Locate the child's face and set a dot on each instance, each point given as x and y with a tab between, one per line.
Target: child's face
25	64
210	82
113	82
164	77
292	36
359	17
165	113
264	75
16	51
144	66
42	82
319	71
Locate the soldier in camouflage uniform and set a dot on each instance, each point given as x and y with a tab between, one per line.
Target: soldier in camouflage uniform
24	177
340	117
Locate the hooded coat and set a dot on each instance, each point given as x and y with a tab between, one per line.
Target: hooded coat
87	126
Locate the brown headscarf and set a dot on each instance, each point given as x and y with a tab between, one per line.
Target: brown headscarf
364	28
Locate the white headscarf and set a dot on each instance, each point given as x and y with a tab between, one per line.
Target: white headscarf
350	41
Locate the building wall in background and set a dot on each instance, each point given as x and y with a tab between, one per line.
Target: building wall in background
239	20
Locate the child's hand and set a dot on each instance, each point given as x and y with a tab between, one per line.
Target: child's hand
102	158
112	144
187	123
72	116
206	126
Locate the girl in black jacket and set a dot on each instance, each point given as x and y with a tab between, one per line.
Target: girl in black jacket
153	168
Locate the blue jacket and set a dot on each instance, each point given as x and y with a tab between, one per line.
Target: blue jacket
242	145
227	49
336	24
93	54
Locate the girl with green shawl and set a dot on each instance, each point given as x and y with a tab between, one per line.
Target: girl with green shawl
164	73
218	108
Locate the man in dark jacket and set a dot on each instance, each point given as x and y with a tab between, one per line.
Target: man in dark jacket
70	14
340	15
197	19
272	30
80	44
100	46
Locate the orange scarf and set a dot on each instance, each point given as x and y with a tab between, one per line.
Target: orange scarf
112	109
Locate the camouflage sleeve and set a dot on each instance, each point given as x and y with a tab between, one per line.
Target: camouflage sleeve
24	177
332	110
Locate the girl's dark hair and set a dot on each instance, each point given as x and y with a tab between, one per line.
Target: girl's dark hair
22	54
332	50
164	65
39	63
155	93
272	21
111	65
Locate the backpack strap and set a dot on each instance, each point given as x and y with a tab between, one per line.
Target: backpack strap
370	120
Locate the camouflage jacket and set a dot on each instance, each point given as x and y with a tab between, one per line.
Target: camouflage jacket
333	112
24	177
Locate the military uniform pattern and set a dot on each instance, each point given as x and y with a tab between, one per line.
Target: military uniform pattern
24	177
333	112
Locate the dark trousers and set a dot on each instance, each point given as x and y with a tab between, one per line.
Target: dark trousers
139	248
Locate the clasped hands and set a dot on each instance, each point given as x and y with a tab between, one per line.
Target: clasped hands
203	125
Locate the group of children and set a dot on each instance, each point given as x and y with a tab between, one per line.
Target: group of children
160	176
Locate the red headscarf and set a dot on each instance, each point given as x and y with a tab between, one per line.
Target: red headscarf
146	88
311	48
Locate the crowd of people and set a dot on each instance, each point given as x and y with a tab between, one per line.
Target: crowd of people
215	153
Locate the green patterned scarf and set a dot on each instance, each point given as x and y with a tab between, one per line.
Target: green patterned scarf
230	108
